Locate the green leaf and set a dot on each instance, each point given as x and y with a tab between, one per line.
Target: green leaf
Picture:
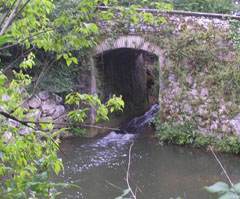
50	127
2	79
57	132
57	168
74	185
69	62
218	187
74	59
92	27
4	39
44	126
229	195
112	109
236	187
31	119
105	2
125	192
44	134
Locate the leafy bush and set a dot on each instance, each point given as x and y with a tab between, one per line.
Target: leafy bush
25	160
187	133
211	6
224	190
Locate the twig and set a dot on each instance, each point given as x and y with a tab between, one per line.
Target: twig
46	67
26	123
127	177
225	172
23	55
113	185
137	187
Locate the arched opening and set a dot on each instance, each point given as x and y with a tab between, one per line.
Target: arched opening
132	73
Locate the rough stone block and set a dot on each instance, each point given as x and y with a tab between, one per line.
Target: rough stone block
48	107
44	95
59	111
34	102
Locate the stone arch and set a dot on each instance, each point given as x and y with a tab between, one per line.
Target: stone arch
130	41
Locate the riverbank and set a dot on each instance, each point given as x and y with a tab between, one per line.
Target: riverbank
186	133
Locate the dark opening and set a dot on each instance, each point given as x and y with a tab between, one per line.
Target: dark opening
127	72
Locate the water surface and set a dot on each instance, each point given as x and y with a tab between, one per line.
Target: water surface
99	167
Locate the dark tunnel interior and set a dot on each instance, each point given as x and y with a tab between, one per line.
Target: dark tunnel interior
127	72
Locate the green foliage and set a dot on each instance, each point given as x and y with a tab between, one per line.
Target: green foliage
26	161
25	167
59	79
234	33
187	133
33	20
224	190
208	57
208	52
64	26
212	6
78	131
181	134
102	110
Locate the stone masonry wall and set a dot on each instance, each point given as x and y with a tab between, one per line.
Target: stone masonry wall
199	63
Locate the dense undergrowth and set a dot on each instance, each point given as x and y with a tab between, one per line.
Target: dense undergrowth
186	133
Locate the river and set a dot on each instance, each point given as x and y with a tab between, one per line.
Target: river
99	167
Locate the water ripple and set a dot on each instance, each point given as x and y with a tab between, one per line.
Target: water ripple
102	152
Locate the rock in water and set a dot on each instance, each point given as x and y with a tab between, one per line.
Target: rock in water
138	123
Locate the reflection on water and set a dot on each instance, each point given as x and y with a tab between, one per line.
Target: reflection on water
161	172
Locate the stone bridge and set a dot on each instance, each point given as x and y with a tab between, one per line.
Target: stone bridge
141	66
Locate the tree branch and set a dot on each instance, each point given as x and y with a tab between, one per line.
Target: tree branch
7	115
19	11
10	18
43	72
128	169
7	13
23	55
29	37
225	172
26	123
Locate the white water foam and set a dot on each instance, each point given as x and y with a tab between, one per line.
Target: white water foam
104	151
